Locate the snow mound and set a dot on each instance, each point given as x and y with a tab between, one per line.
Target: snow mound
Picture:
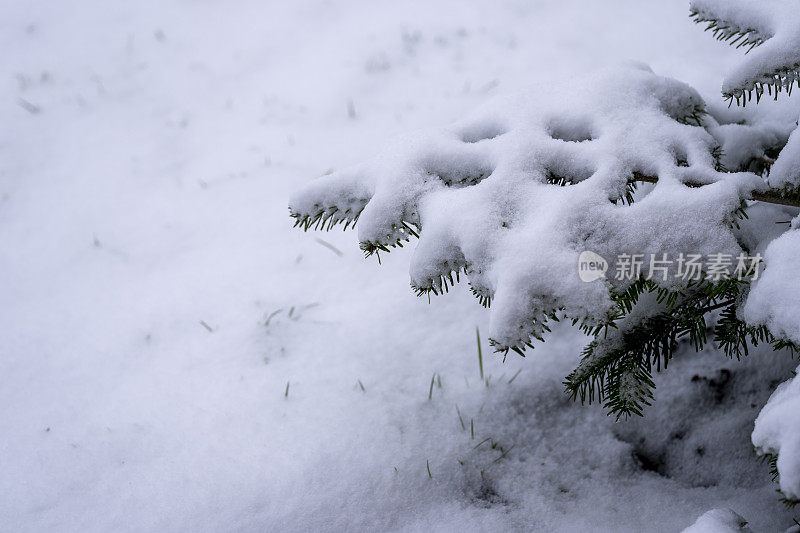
777	431
511	196
719	521
786	170
773	301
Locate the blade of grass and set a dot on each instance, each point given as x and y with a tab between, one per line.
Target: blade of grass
480	353
463	426
33	109
487	439
330	247
504	453
271	316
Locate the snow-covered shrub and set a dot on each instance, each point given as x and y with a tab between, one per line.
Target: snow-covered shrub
620	201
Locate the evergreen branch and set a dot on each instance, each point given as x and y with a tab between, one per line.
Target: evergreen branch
482	294
771	82
401	233
442	283
729	32
785	344
617	370
772	460
621	377
694	117
539	329
779	80
325	218
562	181
732	335
786	196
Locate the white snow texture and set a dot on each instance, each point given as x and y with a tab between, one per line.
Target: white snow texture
176	357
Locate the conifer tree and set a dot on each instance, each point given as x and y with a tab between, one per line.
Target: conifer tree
621	202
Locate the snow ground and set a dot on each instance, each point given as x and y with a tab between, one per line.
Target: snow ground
146	157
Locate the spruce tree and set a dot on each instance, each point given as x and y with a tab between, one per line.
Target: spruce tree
620	202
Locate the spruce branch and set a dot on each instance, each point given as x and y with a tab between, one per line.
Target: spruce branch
774	73
616	368
729	32
788	195
326	218
772	460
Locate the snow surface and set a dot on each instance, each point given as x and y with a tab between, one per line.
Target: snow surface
146	159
